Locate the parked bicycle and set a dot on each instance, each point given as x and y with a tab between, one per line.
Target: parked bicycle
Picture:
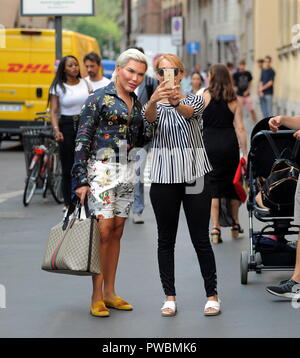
42	160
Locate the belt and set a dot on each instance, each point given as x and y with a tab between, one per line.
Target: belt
70	121
75	117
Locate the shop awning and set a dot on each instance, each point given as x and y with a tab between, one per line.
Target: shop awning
226	38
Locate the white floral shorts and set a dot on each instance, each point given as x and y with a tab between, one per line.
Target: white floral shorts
111	188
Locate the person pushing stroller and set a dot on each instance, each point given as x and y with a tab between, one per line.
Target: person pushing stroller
289	288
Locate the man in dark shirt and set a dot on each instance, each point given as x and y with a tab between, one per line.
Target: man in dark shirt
266	87
242	82
144	92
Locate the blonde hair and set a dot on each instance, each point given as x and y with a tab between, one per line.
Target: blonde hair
175	60
126	56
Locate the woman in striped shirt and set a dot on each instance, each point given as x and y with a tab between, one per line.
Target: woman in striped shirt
179	165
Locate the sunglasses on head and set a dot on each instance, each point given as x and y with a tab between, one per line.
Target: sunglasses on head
160	71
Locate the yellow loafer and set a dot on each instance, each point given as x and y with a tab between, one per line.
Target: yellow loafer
119	304
98	309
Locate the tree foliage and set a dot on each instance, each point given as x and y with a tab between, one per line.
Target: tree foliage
103	26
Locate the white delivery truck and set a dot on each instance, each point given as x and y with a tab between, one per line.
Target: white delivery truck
153	45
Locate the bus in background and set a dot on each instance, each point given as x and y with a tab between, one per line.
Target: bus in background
27	68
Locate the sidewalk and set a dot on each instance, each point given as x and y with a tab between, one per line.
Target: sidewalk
41	304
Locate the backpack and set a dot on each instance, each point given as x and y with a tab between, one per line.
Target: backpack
278	190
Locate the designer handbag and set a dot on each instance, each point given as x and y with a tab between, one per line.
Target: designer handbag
73	244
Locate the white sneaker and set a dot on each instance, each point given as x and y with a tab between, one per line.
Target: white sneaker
138	219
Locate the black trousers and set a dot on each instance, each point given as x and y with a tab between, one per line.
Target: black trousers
66	151
166	200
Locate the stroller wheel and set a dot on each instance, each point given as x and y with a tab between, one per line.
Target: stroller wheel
258	262
244	267
258	258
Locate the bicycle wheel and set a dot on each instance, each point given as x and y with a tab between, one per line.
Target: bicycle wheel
55	177
45	186
31	183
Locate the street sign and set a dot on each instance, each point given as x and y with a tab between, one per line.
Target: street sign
177	30
57	8
193	47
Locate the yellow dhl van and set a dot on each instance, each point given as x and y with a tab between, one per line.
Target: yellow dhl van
27	66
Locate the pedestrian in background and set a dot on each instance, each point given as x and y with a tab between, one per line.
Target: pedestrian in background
223	134
144	91
92	63
197	83
67	94
266	88
110	117
242	82
185	84
231	68
260	64
179	157
198	68
289	288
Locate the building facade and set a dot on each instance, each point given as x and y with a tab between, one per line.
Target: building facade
172	8
145	18
149	17
223	29
230	30
10	18
278	35
288	57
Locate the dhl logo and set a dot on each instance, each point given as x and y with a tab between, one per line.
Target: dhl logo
32	68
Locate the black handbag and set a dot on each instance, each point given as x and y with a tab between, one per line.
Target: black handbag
278	190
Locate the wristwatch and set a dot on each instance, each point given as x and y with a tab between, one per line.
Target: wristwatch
175	105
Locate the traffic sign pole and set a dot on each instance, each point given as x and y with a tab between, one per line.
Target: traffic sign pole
58	9
58	38
177	31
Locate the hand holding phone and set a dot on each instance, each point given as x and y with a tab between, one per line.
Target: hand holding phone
170	76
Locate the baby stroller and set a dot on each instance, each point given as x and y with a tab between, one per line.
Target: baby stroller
269	249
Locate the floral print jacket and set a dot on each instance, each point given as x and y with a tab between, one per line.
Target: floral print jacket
104	123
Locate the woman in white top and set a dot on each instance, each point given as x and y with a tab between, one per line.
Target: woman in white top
179	158
67	94
197	82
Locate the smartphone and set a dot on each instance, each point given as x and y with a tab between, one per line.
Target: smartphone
169	75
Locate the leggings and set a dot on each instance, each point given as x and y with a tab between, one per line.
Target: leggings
166	201
66	152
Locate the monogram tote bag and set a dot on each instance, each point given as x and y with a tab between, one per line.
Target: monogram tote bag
73	244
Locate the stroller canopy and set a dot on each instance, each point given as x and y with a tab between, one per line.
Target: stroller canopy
261	155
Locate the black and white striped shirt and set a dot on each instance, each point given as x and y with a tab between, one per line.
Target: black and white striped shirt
178	153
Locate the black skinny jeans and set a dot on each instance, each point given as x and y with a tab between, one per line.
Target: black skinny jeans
166	201
66	152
